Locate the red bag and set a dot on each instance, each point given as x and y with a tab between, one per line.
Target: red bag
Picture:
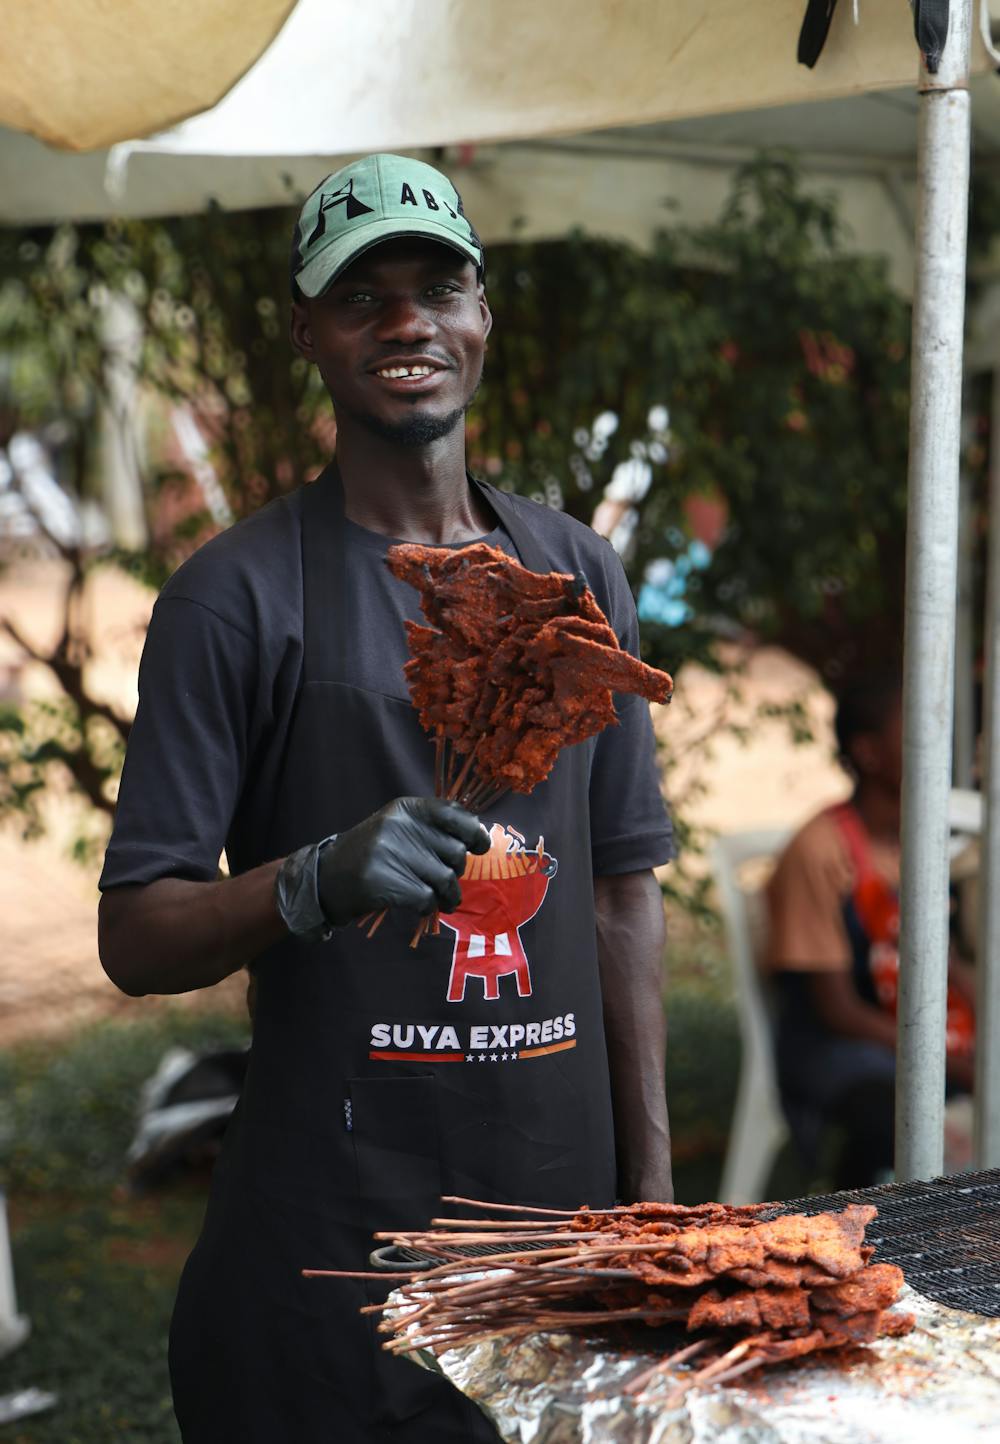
877	908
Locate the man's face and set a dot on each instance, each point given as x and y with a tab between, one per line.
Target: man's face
406	306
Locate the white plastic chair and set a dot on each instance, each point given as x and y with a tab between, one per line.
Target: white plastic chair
14	1327
759	1128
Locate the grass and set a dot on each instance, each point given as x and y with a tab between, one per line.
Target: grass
67	1112
96	1268
97	1279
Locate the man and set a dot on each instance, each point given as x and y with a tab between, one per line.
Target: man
834	928
274	720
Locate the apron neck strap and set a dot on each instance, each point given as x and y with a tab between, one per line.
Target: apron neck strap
528	550
326	615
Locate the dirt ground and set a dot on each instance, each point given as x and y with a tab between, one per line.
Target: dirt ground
50	977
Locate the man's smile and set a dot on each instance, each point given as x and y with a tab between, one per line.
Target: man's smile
406	375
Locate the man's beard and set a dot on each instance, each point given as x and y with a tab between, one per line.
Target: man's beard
412	430
417	430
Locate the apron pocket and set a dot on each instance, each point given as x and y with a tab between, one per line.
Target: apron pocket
394	1127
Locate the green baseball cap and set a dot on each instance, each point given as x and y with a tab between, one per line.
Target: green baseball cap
379	198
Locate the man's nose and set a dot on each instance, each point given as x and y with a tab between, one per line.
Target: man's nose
404	319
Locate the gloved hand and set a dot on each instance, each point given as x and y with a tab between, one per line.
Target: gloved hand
410	853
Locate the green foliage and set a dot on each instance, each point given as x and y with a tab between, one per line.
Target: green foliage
214	293
98	1280
42	743
703	1054
68	1112
52	354
784	365
211	296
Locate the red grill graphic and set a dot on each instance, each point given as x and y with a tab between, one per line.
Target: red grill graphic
501	891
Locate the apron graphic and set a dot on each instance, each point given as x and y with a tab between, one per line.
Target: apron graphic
501	891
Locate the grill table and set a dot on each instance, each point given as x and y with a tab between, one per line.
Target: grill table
940	1381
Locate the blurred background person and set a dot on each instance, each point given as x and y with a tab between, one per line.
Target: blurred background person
833	951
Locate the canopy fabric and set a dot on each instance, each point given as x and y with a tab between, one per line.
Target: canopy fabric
402	74
343	78
87	73
622	187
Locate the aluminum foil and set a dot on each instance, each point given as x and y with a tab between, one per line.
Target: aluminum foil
561	1389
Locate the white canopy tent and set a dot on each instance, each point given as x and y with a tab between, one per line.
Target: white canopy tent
404	74
511	77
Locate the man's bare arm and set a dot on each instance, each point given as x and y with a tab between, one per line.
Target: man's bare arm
173	935
631	933
844	1011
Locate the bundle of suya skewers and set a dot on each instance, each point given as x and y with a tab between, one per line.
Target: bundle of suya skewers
514	666
735	1290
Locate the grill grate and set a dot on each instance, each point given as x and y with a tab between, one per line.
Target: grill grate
944	1235
404	1259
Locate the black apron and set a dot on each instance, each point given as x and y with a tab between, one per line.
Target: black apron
382	1077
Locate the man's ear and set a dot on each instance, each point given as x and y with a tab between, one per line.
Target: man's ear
485	312
300	330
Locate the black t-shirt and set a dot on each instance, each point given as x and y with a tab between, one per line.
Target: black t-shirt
221	671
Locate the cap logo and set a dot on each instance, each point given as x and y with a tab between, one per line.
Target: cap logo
407	198
344	196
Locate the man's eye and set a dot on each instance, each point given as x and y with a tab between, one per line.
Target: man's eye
358	296
441	288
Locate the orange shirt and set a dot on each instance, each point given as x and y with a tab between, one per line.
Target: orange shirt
807	896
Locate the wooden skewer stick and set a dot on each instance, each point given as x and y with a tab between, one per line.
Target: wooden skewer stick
382	1275
504	1260
375	919
572	1280
755	1361
535	1261
488	798
702	1376
489	1226
452	755
456	787
522	1207
539	1324
446	1245
659	1212
494	1223
483	1299
662	1366
440	747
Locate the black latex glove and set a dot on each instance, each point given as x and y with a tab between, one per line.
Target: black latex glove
410	854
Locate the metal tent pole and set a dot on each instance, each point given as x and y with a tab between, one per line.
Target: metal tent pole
987	1106
931	576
